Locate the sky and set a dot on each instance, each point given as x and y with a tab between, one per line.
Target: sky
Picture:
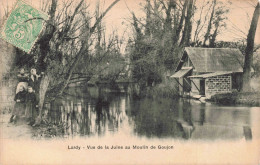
239	18
238	22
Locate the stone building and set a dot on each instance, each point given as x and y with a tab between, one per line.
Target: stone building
208	71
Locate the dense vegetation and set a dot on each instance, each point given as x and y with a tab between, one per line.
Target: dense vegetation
74	45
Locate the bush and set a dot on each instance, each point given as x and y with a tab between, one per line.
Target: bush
247	98
165	89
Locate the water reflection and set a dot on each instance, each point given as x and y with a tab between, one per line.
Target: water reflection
93	111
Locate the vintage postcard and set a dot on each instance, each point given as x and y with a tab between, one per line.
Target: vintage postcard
129	82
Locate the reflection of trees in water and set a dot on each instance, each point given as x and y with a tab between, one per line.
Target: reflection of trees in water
104	113
97	112
155	118
162	118
83	116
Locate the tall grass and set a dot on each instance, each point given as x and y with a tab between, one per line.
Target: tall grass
167	89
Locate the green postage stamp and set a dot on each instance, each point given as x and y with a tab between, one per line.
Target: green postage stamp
23	26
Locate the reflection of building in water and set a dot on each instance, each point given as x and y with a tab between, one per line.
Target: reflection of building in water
220	122
184	120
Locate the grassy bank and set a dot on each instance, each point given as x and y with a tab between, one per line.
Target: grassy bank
49	130
166	89
246	98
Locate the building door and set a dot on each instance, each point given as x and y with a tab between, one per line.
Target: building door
202	87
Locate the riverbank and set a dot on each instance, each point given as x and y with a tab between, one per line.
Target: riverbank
21	129
14	130
167	89
245	98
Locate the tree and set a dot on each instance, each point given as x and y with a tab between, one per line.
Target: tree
250	49
83	48
158	39
188	24
206	37
211	20
65	41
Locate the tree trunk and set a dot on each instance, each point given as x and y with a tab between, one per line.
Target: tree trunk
148	18
72	68
44	51
168	20
249	50
185	41
178	31
214	36
206	37
43	89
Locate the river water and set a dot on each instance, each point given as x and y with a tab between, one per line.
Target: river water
92	111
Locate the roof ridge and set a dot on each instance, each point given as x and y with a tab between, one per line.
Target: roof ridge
209	48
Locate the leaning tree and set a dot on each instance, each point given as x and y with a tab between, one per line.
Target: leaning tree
66	39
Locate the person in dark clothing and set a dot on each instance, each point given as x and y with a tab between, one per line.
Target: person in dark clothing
22	76
33	80
31	106
19	106
23	79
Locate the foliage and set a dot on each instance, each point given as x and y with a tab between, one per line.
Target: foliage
212	16
69	35
167	89
247	98
159	39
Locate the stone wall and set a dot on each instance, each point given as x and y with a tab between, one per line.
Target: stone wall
8	80
218	84
7	93
7	57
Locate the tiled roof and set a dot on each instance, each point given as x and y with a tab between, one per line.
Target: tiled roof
215	59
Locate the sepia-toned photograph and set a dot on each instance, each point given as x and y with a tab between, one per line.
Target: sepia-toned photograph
129	82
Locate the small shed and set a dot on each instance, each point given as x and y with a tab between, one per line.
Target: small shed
208	71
